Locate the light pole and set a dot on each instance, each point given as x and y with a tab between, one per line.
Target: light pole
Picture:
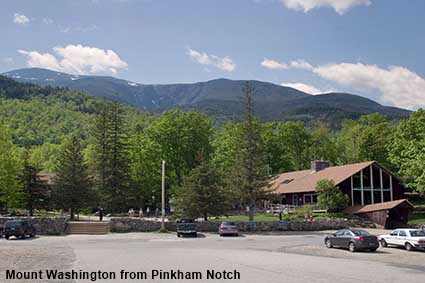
163	196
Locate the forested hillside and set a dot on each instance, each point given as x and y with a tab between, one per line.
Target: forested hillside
219	98
46	115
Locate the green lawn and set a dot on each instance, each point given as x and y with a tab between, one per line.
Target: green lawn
269	217
417	218
243	218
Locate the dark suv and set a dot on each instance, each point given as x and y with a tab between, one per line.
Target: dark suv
18	228
186	227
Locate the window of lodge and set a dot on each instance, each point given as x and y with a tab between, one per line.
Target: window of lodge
371	185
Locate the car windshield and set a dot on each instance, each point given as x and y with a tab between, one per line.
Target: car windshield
13	224
228	224
360	233
186	226
417	233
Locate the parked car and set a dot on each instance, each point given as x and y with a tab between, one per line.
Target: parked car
410	239
228	228
19	228
186	227
353	240
1	230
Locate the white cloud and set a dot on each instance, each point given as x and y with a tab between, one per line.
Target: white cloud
304	88
397	85
274	65
222	63
41	60
340	6
20	19
77	59
300	64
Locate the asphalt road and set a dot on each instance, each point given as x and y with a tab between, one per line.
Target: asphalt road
289	257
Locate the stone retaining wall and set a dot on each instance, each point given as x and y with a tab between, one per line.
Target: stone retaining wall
43	225
126	224
418	226
57	225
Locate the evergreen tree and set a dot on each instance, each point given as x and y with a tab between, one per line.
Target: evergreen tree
249	172
102	146
112	157
36	194
119	172
72	183
201	194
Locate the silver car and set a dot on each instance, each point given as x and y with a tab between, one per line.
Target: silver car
228	228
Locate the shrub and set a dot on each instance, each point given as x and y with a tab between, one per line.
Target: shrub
330	197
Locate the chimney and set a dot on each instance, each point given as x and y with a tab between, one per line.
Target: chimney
318	165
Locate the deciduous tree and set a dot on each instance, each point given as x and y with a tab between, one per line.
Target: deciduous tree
10	168
407	150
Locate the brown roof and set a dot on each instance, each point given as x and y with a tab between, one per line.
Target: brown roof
306	180
46	178
376	207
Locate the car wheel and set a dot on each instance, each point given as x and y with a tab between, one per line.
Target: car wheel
384	243
408	247
373	250
178	235
328	244
352	247
7	237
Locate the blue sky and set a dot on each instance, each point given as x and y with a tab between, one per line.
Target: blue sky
374	48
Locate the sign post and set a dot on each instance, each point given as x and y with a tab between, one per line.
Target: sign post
163	196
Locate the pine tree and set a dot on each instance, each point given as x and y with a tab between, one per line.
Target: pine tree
72	183
249	170
102	147
119	183
112	157
202	194
36	194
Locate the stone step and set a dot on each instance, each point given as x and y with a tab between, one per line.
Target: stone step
89	228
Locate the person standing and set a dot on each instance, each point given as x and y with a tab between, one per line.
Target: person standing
141	213
148	210
101	214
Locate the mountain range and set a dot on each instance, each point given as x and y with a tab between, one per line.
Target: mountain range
220	98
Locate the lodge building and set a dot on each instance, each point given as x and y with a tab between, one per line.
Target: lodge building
369	186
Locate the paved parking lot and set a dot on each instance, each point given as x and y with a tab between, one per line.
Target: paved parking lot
288	257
